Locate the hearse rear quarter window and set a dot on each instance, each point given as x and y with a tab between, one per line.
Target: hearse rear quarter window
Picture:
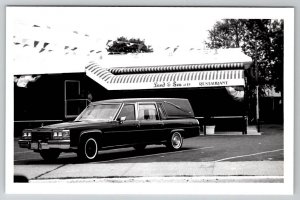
147	112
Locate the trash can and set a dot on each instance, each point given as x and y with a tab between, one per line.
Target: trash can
210	130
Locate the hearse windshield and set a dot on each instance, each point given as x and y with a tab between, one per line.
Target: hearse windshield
105	112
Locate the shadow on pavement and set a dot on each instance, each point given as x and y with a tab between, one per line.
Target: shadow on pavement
105	155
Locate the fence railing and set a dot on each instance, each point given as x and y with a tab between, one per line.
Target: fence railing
240	121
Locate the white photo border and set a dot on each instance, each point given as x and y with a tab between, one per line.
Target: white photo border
286	188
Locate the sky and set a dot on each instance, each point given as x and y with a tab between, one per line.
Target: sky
73	36
159	27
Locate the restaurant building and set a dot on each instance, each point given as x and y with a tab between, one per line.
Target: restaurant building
53	88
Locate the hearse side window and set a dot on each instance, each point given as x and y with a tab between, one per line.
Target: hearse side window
147	112
128	112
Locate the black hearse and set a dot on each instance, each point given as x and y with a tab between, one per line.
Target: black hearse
116	123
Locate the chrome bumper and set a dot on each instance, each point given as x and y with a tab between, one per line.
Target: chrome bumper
51	144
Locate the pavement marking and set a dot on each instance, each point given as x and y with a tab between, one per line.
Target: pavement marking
68	155
264	152
24	152
28	159
47	172
143	156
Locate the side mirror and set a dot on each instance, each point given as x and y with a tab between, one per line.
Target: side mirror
122	119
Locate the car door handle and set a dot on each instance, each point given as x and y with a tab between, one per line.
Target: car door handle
161	124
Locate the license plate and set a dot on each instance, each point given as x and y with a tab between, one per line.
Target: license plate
39	146
44	146
34	146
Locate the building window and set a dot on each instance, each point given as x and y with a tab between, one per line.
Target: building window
74	104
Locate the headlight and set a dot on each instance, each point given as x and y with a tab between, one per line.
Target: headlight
26	135
61	134
55	134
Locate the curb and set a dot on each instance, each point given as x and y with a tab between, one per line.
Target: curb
200	179
235	133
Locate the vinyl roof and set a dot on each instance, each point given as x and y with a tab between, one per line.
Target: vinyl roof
133	100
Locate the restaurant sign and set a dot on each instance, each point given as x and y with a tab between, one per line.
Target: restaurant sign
177	84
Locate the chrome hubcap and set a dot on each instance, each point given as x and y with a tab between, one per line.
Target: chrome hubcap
176	141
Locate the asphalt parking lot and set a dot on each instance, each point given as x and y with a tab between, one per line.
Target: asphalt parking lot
221	155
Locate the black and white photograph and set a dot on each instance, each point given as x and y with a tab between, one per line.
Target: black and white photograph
149	100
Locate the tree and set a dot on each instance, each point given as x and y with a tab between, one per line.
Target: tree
262	40
226	34
267	35
123	46
264	35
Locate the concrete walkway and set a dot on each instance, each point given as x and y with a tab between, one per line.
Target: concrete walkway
246	171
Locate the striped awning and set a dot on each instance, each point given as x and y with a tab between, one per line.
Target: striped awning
176	68
182	79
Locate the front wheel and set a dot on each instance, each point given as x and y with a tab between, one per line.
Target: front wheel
88	149
50	155
175	141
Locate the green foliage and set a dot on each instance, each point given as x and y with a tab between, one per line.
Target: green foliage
123	46
264	35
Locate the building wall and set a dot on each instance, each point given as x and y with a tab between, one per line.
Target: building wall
45	100
41	102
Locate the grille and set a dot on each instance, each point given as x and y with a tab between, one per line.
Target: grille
43	136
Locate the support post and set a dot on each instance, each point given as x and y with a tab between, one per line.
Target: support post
257	89
257	109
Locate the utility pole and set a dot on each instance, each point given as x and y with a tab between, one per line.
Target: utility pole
257	89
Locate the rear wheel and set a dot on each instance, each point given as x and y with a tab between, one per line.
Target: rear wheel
139	147
88	149
50	154
175	141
